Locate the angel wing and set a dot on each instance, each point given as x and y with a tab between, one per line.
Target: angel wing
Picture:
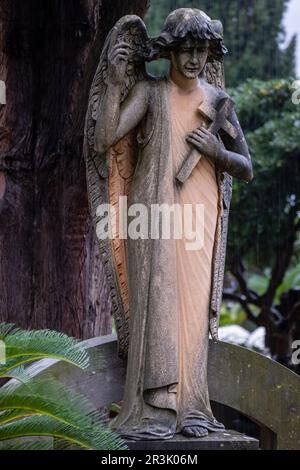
215	75
110	177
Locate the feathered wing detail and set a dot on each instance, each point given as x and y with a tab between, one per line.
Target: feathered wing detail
215	76
109	176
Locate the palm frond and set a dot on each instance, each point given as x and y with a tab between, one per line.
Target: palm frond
43	343
96	438
8	416
21	444
6	370
46	397
19	374
32	407
6	328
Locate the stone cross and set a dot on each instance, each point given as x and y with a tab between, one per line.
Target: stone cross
219	120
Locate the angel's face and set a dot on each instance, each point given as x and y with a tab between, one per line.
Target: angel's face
190	57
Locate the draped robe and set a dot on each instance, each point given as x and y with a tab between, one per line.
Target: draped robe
170	288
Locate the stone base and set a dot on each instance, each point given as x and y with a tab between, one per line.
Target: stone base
226	440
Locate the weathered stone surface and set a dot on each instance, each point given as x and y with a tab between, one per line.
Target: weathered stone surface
228	440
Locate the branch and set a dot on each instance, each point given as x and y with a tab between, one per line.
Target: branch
243	301
251	296
282	262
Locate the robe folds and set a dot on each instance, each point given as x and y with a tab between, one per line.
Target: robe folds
174	294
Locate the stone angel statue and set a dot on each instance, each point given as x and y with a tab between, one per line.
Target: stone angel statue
164	142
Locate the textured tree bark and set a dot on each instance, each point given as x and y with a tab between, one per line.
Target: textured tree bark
50	272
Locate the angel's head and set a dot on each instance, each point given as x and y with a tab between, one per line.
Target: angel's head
190	39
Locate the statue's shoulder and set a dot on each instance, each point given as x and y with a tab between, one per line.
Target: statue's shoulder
153	86
213	93
143	84
146	86
154	83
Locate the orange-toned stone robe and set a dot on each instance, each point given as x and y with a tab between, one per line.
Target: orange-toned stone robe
194	268
169	287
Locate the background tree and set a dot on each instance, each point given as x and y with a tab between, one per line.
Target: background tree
264	242
50	272
253	34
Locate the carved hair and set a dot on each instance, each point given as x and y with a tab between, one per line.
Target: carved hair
189	21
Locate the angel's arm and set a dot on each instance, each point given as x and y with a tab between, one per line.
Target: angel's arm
234	158
115	120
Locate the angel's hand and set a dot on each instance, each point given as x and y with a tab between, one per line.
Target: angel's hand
117	62
205	142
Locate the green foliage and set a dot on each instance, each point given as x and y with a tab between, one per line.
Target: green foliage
253	34
259	282
34	407
264	211
231	314
291	281
27	346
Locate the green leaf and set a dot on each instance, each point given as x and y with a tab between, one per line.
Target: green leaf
96	438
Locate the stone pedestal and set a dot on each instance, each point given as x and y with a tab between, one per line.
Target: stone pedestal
226	440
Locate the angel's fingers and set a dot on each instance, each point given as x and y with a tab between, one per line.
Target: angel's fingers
197	137
200	133
195	142
204	130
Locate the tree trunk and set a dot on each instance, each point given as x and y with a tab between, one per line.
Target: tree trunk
50	272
